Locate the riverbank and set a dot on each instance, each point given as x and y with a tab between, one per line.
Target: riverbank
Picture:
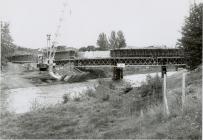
109	112
34	88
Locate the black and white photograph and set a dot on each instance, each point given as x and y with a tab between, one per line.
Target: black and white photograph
101	69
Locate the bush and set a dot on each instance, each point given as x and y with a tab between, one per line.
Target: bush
77	99
152	87
90	93
66	98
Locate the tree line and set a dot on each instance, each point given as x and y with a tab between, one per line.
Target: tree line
115	41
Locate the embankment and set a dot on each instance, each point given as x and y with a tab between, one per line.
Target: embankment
112	111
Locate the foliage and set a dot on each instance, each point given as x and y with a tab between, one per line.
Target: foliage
90	93
121	40
117	40
102	42
105	119
191	40
66	98
153	85
113	41
7	46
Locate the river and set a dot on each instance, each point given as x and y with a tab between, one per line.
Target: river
18	95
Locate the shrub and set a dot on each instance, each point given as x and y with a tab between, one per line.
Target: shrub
77	99
152	87
90	93
66	98
35	105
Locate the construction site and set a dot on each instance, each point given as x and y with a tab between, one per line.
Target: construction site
110	90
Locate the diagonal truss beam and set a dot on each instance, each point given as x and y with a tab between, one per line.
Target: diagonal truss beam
126	60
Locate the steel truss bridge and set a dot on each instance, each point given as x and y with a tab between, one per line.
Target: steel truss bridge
128	61
126	57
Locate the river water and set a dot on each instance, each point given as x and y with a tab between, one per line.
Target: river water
24	99
21	100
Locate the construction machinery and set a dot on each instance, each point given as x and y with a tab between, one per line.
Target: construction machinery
46	58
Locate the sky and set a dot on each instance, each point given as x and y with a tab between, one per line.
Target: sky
143	22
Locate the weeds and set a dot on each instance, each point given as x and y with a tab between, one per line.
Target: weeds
77	99
109	112
66	98
90	93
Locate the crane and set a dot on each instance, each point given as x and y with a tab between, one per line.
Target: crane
46	60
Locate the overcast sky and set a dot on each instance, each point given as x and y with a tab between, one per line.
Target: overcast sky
144	22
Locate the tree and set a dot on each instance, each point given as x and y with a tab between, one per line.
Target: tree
102	42
117	40
121	40
113	42
91	48
191	40
6	37
7	46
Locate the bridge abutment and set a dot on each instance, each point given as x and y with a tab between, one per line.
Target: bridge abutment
163	71
117	73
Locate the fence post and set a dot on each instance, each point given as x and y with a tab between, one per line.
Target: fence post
183	91
164	96
141	113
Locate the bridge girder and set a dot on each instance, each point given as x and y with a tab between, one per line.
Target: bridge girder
160	61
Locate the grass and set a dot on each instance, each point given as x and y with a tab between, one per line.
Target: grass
111	112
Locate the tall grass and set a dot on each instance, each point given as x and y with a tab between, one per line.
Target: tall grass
110	112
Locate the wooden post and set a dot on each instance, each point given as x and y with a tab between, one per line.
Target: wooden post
141	113
164	96
183	91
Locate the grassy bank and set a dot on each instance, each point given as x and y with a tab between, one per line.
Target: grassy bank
115	110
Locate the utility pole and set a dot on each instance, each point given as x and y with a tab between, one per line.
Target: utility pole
48	46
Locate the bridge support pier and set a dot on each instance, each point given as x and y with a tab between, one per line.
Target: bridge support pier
163	71
117	73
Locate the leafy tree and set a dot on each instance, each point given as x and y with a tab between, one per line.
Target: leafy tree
113	41
191	40
117	40
102	42
7	46
121	40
